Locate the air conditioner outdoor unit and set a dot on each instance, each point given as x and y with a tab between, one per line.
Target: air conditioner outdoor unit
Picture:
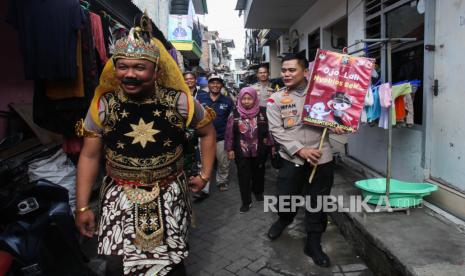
283	45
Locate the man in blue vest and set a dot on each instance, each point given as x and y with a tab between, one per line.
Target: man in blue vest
223	106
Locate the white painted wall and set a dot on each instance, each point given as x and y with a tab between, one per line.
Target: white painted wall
369	145
326	12
448	131
321	14
355	24
158	11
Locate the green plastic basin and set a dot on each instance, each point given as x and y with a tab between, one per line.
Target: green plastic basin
402	194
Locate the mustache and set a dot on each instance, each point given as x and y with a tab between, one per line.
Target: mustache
131	81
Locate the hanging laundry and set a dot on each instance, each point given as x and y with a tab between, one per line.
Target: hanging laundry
48	33
409	110
97	33
399	90
118	31
86	81
374	111
90	61
64	89
399	105
61	115
368	103
385	95
385	99
107	35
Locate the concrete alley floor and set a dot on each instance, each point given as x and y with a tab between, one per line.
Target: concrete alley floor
226	242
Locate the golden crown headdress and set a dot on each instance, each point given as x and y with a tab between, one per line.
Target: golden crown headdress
137	44
169	73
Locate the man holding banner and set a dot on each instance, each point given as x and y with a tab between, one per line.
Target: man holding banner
299	149
297	116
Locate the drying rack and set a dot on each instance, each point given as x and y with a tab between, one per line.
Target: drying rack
386	46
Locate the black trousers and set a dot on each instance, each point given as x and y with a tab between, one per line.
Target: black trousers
251	176
293	180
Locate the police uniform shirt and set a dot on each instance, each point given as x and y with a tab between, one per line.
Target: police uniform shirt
263	92
284	112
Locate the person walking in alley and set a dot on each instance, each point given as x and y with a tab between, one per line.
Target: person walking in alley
299	151
263	86
248	142
192	161
223	106
138	118
191	81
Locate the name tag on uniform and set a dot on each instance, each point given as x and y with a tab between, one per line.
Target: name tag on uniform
288	113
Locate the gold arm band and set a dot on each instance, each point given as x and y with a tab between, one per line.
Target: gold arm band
81	131
82	210
204	179
207	117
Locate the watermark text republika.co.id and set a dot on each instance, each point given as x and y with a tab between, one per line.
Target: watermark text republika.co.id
325	203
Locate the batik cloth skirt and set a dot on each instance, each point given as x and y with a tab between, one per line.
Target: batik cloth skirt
119	218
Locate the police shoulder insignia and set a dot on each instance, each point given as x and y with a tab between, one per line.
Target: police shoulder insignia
286	100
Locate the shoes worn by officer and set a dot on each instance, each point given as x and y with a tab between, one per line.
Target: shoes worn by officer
259	197
276	229
314	251
245	208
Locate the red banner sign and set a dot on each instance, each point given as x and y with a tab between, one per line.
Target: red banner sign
337	89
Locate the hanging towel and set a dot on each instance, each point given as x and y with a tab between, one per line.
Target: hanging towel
65	89
47	32
399	105
409	110
374	111
368	103
97	33
398	91
385	97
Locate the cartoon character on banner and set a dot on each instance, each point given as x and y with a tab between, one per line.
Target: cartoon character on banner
317	111
339	105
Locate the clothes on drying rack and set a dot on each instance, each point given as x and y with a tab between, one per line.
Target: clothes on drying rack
374	111
398	91
385	99
400	95
368	102
409	110
400	113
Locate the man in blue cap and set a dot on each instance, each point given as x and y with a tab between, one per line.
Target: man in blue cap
223	106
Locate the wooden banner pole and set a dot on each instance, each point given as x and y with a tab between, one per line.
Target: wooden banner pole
319	148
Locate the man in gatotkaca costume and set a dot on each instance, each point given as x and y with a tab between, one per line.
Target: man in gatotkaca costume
138	116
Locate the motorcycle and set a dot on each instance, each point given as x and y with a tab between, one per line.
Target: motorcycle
37	232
